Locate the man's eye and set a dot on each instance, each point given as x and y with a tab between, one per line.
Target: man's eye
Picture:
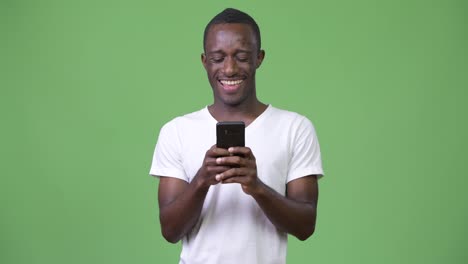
243	59
216	59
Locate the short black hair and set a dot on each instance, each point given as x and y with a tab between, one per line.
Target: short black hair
233	16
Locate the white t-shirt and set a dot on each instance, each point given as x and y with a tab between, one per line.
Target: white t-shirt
232	228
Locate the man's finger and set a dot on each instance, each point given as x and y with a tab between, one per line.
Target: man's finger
231	160
233	172
236	179
242	151
218	152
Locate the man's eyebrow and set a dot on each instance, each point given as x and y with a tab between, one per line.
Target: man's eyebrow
222	52
215	52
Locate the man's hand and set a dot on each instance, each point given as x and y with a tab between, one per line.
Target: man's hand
206	175
242	169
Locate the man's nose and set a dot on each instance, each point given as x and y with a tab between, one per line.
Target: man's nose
230	66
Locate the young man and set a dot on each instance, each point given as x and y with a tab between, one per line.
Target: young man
236	205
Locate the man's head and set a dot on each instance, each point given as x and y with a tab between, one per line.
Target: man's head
232	56
234	16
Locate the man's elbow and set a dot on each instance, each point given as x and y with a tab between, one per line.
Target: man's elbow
302	236
170	236
168	230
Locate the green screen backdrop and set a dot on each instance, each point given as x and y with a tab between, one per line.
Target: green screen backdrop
86	86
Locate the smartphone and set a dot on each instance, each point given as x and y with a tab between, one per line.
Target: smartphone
230	134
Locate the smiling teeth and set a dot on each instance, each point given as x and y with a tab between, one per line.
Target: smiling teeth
231	82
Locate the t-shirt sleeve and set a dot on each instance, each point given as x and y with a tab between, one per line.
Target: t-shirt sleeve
305	155
167	159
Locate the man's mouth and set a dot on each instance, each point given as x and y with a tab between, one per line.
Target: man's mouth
231	85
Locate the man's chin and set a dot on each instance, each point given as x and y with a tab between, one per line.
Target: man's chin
230	101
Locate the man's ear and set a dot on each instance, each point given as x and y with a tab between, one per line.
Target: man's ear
260	57
203	60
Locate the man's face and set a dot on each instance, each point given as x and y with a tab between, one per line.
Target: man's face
231	58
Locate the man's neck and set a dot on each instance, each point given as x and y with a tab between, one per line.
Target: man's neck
244	112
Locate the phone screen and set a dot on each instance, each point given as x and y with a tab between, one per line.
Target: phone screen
230	134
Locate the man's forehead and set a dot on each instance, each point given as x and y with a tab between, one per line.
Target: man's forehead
231	26
218	32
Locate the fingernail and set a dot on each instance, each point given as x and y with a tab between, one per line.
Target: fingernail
219	160
218	177
231	149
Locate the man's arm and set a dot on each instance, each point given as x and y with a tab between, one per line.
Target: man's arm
180	205
180	202
294	213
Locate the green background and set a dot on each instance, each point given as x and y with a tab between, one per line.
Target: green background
86	86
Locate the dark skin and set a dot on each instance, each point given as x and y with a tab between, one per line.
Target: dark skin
231	59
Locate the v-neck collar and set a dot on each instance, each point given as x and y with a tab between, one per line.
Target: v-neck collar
253	124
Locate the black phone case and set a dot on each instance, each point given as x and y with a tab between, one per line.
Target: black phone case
230	134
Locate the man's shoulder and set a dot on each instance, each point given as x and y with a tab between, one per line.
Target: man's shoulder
289	120
287	115
196	116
